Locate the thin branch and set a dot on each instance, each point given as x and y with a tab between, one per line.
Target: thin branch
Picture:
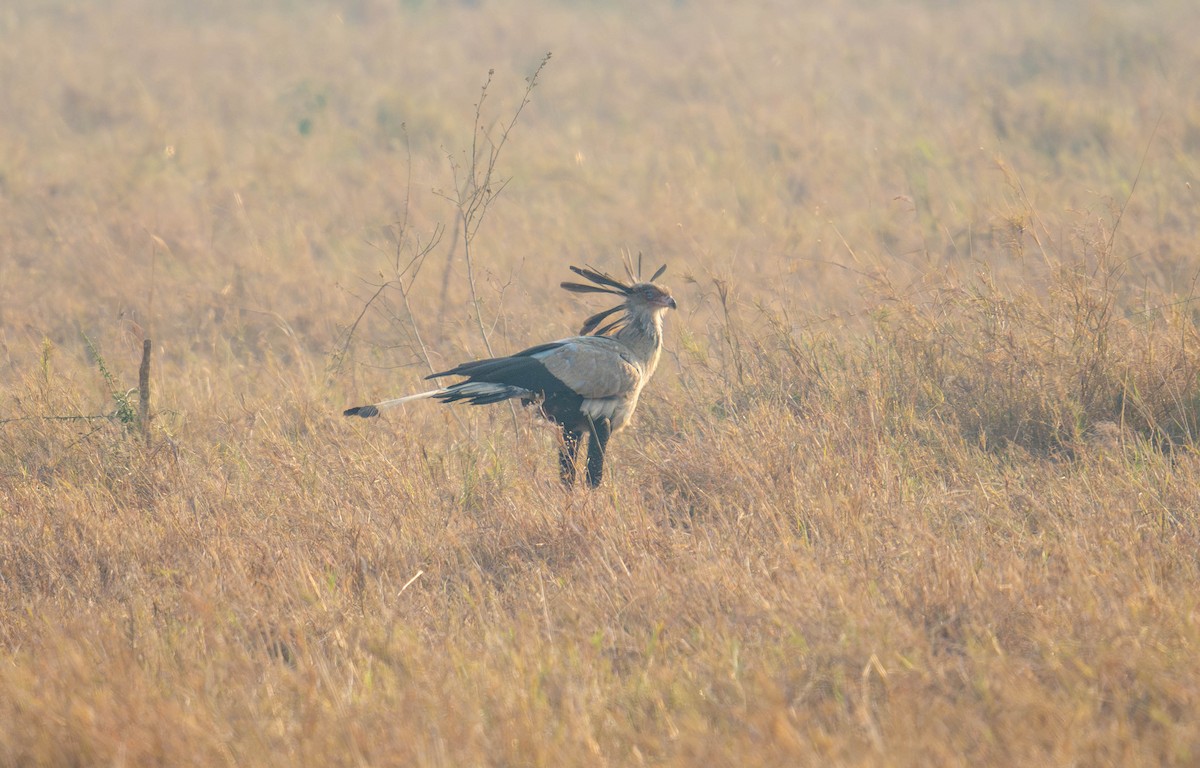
475	192
397	282
97	417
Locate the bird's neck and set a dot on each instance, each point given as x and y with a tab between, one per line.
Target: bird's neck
643	335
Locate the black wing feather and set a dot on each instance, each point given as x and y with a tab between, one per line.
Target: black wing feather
522	373
479	370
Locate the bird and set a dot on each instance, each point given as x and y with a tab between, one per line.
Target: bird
587	385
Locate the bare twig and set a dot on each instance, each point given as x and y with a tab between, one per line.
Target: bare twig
476	188
400	270
80	417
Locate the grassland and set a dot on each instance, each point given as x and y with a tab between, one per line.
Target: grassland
916	483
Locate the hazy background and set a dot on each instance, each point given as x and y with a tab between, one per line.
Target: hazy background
916	481
794	146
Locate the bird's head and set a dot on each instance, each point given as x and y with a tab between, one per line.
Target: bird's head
652	296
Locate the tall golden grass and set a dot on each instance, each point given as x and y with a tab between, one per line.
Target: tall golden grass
916	483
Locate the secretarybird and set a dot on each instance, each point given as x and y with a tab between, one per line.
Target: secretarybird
587	384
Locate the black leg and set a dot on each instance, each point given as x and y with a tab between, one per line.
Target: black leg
597	445
567	453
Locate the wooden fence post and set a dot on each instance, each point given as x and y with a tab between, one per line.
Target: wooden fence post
144	391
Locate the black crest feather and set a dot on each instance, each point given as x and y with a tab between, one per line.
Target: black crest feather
581	288
590	324
605	283
601	278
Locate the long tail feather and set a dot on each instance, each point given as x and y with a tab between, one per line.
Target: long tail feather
482	392
367	411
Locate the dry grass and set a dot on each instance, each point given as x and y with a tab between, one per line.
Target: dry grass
917	482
